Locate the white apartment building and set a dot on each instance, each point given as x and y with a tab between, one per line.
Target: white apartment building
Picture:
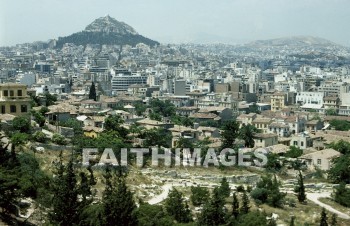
303	98
121	82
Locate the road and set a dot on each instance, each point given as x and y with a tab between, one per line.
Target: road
314	198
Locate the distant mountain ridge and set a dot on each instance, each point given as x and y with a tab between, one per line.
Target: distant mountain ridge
293	41
106	30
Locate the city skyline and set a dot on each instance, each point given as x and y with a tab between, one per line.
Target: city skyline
232	22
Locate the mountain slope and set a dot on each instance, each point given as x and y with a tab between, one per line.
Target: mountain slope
299	41
106	30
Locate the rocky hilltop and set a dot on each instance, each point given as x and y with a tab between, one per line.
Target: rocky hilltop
106	30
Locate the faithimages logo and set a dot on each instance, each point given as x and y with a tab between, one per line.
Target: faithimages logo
181	157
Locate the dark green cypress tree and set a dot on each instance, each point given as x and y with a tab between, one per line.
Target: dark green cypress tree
65	201
213	212
92	92
245	204
235	206
292	219
334	220
323	221
176	206
224	188
300	189
118	203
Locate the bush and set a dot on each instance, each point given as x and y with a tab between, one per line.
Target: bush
22	124
39	137
199	195
240	188
58	139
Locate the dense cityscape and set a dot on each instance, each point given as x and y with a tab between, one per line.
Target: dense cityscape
108	87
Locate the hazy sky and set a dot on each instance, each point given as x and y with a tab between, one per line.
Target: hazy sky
233	21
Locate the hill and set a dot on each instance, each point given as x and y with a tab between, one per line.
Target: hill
296	41
106	30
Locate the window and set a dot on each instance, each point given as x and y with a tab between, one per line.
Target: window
295	143
24	108
12	93
318	161
302	143
13	108
3	109
19	92
6	93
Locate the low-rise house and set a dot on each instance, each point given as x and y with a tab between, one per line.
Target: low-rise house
263	140
91	131
205	131
150	124
205	117
320	159
331	102
278	149
245	119
223	112
186	111
313	126
14	99
61	112
279	128
183	132
91	104
262	123
301	140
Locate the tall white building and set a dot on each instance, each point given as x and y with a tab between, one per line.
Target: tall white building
121	82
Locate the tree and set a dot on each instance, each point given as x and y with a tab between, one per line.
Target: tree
113	123
199	195
65	205
50	99
341	146
117	200
294	152
92	92
246	133
340	170
76	125
235	206
39	137
164	108
300	189
323	221
155	116
58	139
40	119
21	124
213	212
255	218
331	111
156	137
292	219
267	191
9	181
342	125
273	163
334	220
245	204
176	206
229	134
342	195
153	215
224	188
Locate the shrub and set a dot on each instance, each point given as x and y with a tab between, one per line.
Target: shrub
39	137
58	139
